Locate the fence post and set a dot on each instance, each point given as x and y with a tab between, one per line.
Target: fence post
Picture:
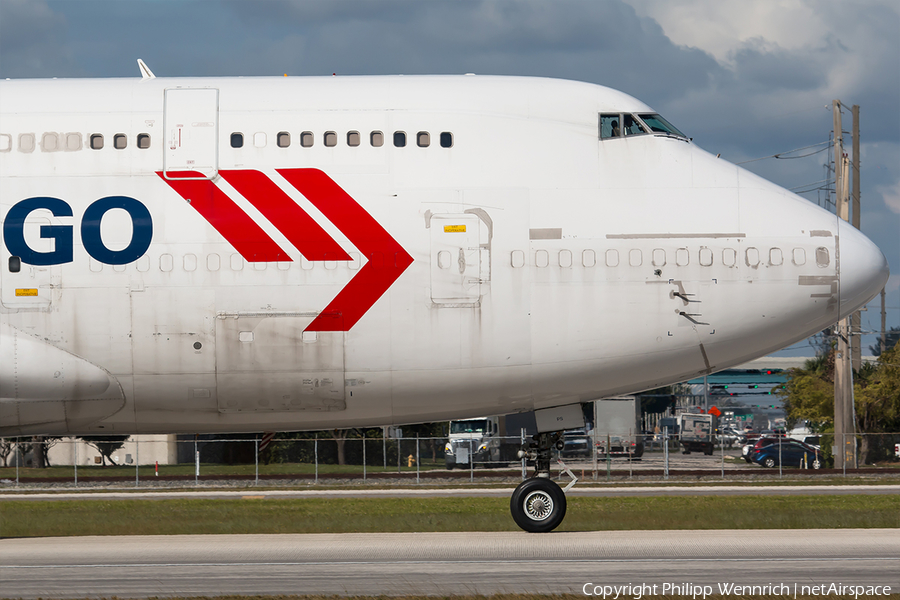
471	463
364	453
844	454
384	444
316	453
631	459
137	462
608	457
594	464
417	458
256	459
666	452
399	453
722	444
780	474
196	462
76	461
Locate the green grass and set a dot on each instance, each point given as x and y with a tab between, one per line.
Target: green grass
317	515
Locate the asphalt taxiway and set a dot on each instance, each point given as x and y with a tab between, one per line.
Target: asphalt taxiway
446	563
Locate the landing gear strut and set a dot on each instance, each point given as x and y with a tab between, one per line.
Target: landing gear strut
538	505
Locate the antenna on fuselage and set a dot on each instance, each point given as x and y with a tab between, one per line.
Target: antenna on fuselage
146	73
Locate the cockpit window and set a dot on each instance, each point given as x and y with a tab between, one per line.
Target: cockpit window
659	125
609	125
614	125
632	126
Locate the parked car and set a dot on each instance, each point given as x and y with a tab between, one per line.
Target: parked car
753	444
729	436
792	453
576	444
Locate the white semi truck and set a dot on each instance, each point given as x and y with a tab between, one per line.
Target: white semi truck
491	441
617	427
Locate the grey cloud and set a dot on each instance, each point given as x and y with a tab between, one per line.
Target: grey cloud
32	40
774	69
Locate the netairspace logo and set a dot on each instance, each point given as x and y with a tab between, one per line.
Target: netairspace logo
639	590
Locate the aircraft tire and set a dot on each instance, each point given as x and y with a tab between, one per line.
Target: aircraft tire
538	505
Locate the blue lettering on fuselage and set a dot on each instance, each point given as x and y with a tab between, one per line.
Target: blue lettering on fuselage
14	231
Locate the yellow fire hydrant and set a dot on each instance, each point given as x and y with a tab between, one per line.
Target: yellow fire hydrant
410	461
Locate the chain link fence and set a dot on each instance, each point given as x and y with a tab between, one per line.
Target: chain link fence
285	460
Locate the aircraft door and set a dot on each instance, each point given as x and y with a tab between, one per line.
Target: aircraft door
24	285
460	259
191	126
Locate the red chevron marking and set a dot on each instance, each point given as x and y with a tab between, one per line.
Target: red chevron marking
298	227
377	275
226	217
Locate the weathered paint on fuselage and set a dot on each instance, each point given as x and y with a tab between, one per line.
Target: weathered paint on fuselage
549	266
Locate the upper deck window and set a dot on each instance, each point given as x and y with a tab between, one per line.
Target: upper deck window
659	125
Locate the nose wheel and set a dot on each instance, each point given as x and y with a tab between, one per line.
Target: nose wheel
538	505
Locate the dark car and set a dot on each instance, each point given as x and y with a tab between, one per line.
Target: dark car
791	453
576	444
754	444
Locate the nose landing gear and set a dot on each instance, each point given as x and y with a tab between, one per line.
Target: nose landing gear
538	505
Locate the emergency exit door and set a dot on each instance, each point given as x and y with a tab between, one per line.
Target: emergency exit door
192	133
24	285
457	272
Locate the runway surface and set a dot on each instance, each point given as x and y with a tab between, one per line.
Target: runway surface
445	563
465	492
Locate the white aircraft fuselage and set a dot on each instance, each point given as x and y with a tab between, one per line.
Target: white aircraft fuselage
242	255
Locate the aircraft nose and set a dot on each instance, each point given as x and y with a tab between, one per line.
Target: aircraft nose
864	268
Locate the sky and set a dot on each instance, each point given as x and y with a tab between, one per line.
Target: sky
744	79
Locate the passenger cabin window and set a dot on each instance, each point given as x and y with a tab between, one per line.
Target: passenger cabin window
143	141
26	142
399	139
446	139
5	142
259	139
376	139
49	142
96	141
283	139
73	142
423	139
120	141
237	140
307	139
353	138
330	139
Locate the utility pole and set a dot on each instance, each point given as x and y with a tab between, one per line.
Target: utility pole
855	318
844	413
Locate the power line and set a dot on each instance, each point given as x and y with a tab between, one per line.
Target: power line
780	154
